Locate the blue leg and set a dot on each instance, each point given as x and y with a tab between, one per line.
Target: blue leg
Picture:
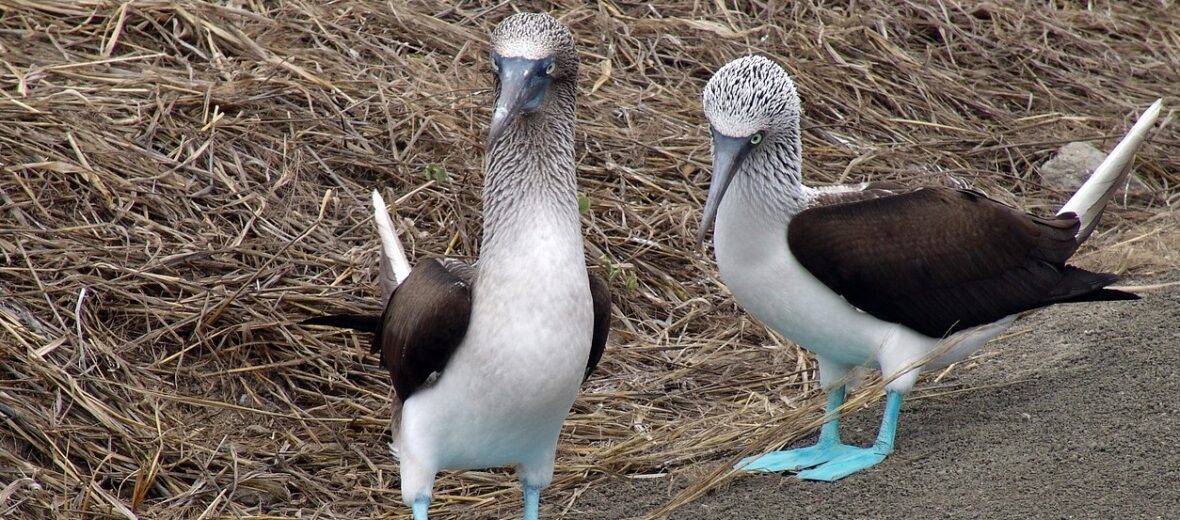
421	505
861	458
532	502
827	448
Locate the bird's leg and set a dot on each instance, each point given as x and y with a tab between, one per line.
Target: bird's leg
827	448
532	502
829	433
421	505
856	459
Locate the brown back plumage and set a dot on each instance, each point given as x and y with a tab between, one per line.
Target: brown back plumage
914	257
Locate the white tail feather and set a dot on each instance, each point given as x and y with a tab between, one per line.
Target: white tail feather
395	267
1091	198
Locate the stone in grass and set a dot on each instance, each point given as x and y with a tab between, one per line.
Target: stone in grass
1072	165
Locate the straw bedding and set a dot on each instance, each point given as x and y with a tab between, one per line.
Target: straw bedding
183	182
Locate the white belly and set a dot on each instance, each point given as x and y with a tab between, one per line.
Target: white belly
501	400
770	284
506	391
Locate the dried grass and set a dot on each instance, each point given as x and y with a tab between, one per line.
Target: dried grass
182	183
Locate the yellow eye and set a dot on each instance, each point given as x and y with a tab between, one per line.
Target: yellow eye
756	139
549	69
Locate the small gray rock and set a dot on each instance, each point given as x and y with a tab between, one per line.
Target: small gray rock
1072	165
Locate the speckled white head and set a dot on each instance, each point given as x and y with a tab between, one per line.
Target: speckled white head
532	55
753	110
533	36
751	94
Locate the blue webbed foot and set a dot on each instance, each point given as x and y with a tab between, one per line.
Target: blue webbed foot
830	459
853	460
796	459
856	459
827	448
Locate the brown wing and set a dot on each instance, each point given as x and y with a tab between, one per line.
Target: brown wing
424	322
940	260
600	293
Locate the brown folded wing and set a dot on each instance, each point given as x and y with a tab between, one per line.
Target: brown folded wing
939	260
424	322
433	309
600	292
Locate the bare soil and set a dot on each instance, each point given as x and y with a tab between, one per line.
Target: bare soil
1075	415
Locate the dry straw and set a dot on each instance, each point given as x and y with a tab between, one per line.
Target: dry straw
184	181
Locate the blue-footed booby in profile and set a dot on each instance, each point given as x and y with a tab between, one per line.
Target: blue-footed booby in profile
898	279
486	360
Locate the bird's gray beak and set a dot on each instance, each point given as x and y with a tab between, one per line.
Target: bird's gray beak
728	155
522	90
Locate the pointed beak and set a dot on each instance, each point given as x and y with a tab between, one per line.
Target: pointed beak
521	91
728	155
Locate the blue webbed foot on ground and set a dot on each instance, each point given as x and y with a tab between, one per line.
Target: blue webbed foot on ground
853	460
796	459
830	459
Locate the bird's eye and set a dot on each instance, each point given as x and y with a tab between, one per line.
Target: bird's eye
550	68
756	139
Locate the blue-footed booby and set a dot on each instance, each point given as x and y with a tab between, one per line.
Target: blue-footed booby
890	277
486	359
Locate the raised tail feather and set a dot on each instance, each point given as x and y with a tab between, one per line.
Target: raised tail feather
1089	201
395	267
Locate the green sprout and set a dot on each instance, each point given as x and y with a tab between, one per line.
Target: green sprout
583	203
436	173
614	271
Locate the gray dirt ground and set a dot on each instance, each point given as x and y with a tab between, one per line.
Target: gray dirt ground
1079	417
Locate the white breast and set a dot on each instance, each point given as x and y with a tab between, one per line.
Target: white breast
768	282
506	391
